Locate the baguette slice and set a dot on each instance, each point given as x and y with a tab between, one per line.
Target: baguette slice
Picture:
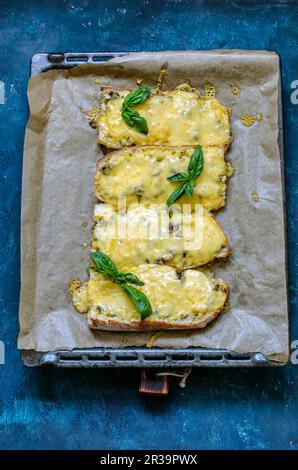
178	117
140	174
190	300
151	236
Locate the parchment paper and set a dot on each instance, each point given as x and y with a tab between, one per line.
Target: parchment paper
59	166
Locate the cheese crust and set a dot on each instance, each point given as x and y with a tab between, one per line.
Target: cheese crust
140	174
178	117
183	242
188	300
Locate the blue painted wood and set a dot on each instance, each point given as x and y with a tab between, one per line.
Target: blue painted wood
70	409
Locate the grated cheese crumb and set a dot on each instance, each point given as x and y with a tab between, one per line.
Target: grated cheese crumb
255	196
235	89
153	338
229	110
230	168
210	90
248	119
73	285
160	78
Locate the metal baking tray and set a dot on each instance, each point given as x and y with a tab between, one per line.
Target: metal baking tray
140	357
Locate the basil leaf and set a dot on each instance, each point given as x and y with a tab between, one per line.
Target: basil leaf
139	299
131	116
176	194
189	188
119	278
195	168
135	97
179	177
103	263
132	279
134	120
196	163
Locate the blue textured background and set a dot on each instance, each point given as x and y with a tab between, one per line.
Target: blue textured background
102	409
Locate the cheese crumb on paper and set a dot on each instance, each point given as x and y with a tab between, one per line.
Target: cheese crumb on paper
73	285
153	338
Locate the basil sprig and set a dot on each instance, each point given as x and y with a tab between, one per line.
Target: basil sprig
131	116
104	265
188	179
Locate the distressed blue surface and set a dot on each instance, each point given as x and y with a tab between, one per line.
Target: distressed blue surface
58	409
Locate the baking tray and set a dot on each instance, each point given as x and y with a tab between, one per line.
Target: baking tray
141	357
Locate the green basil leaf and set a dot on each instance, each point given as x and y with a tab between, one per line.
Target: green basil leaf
176	194
135	97
179	177
196	163
195	168
131	116
134	120
119	278
132	279
139	299
103	263
189	188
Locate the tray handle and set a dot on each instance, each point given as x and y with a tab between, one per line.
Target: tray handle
152	384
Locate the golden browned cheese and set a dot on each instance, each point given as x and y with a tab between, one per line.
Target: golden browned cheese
178	117
151	236
140	174
183	300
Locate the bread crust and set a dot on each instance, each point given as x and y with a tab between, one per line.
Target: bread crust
151	325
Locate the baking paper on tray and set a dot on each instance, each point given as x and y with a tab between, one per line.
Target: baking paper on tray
57	203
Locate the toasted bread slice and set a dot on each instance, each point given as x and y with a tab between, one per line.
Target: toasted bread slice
186	301
178	117
148	235
140	174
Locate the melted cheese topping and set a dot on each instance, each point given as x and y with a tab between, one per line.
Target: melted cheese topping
179	117
140	174
182	300
189	241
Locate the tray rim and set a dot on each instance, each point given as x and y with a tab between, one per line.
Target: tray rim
191	357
